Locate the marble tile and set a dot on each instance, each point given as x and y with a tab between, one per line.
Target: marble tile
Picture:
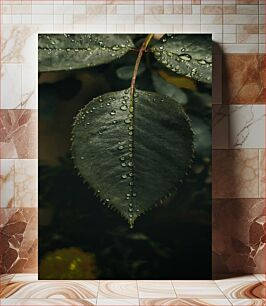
248	302
26	183
153	9
25	277
5	279
238	236
247	9
229	9
260	277
48	302
51	290
243	78
247	38
117	302
220	127
197	289
184	302
28	82
211	9
242	287
118	289
7	182
18	129
18	43
247	126
235	173
262	170
242	49
11	85
247	28
247	1
18	233
155	289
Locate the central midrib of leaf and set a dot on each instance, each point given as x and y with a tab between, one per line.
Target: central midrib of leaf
132	113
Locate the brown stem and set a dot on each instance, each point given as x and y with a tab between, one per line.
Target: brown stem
136	68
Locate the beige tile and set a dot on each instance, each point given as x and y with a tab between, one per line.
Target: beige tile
139	19
48	302
247	126
7	182
10	83
240	19
117	302
111	9
229	38
197	289
248	302
153	9
247	1
247	38
178	9
211	19
241	287
241	48
262	177
195	9
18	43
26	183
247	9
184	302
5	279
211	9
229	28
229	9
52	290
155	289
247	29
25	277
187	10
260	277
125	9
118	289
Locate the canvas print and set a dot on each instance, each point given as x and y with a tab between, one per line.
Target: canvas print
125	156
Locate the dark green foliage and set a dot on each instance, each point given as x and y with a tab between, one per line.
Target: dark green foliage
74	51
131	146
187	54
133	161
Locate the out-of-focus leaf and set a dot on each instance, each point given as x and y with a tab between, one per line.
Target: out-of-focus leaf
169	90
178	81
202	136
195	99
126	72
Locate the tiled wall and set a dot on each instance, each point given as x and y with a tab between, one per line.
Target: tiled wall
238	29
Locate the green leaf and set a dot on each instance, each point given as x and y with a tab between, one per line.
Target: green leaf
74	51
197	101
202	136
168	89
132	150
126	72
186	54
